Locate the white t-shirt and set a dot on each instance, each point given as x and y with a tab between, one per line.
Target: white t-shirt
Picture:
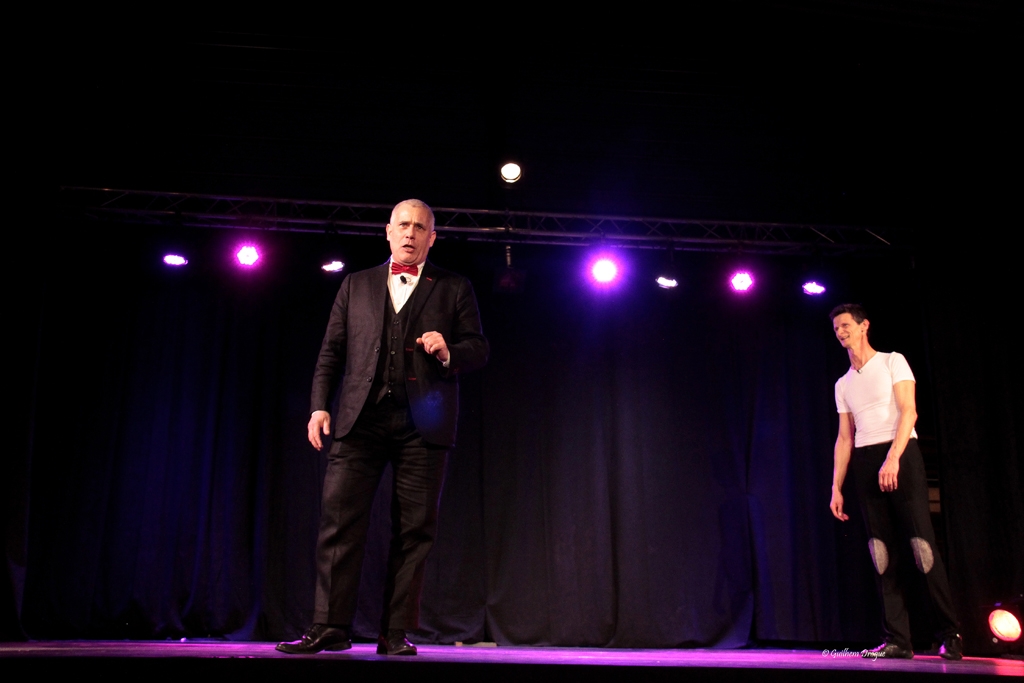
869	395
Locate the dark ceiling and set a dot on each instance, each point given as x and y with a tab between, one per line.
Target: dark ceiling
845	112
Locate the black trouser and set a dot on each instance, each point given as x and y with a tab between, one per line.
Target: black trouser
899	526
383	434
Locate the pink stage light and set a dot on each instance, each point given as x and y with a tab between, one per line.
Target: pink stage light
248	255
1004	625
175	260
813	288
742	281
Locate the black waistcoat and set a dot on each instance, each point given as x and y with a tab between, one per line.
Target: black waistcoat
389	379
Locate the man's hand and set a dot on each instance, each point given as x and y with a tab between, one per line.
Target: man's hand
888	476
434	344
837	506
319	421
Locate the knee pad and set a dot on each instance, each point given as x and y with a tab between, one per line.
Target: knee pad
879	554
923	556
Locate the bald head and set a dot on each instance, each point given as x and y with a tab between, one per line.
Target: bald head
414	203
410	232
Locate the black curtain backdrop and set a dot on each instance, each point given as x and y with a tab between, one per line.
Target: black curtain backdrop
635	467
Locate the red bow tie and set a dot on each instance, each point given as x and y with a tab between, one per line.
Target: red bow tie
398	268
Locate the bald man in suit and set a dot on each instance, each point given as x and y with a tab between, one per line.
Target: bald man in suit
397	339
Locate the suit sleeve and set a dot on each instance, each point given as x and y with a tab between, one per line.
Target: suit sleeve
468	348
330	365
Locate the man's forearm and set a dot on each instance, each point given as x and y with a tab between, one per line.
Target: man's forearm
904	428
469	348
906	405
843	451
330	364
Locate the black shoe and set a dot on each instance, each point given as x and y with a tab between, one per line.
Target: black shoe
888	651
952	648
395	643
317	638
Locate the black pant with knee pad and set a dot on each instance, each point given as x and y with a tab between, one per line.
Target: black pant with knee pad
899	526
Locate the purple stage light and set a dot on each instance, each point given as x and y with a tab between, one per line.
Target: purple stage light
742	281
604	270
175	260
247	255
333	266
813	288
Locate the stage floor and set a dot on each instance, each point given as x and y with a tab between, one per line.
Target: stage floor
489	663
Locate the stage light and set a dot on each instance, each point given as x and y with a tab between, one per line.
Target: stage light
668	276
511	172
333	266
175	260
1004	625
604	270
813	288
667	282
1003	619
741	281
247	255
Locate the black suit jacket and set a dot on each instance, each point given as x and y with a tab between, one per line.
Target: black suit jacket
442	302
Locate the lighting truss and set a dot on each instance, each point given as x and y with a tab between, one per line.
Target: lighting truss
299	215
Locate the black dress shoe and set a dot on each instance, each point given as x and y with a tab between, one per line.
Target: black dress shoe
395	643
952	648
888	651
317	638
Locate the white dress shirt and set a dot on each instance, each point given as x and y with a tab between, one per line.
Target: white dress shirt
402	286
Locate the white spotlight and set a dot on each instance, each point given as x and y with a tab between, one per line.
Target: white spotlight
511	172
667	283
333	266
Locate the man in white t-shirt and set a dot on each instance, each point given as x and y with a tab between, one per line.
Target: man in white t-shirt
878	444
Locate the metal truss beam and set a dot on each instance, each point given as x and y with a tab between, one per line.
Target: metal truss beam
296	215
